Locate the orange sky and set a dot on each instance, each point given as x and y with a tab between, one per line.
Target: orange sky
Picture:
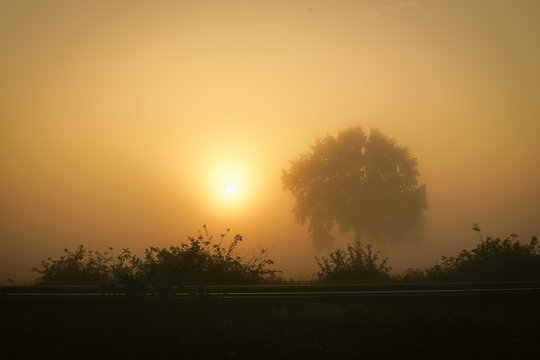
121	122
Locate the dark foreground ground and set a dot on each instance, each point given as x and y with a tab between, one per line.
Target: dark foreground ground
453	327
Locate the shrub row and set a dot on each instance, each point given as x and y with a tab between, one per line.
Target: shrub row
201	260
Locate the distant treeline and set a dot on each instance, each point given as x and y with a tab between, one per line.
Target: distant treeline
204	260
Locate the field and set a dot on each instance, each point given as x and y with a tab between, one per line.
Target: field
431	327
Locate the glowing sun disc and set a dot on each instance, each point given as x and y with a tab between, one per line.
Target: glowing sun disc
230	190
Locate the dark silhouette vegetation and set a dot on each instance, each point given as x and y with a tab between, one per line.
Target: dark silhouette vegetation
492	259
198	261
203	261
365	183
428	327
202	327
357	264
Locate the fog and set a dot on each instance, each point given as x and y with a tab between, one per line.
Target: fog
122	123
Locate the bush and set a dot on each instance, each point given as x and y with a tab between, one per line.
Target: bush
201	261
357	264
195	262
492	259
87	267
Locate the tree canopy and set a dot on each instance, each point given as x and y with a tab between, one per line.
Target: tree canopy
362	182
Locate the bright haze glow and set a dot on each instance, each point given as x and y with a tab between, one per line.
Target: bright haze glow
123	123
230	190
231	184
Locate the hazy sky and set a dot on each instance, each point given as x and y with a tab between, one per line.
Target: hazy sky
121	122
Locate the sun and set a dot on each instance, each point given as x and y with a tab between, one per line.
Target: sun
230	187
230	190
230	182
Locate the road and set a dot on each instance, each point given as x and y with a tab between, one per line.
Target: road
341	291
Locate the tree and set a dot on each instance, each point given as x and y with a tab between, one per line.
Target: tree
359	182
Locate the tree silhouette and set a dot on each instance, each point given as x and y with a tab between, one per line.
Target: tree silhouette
359	182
